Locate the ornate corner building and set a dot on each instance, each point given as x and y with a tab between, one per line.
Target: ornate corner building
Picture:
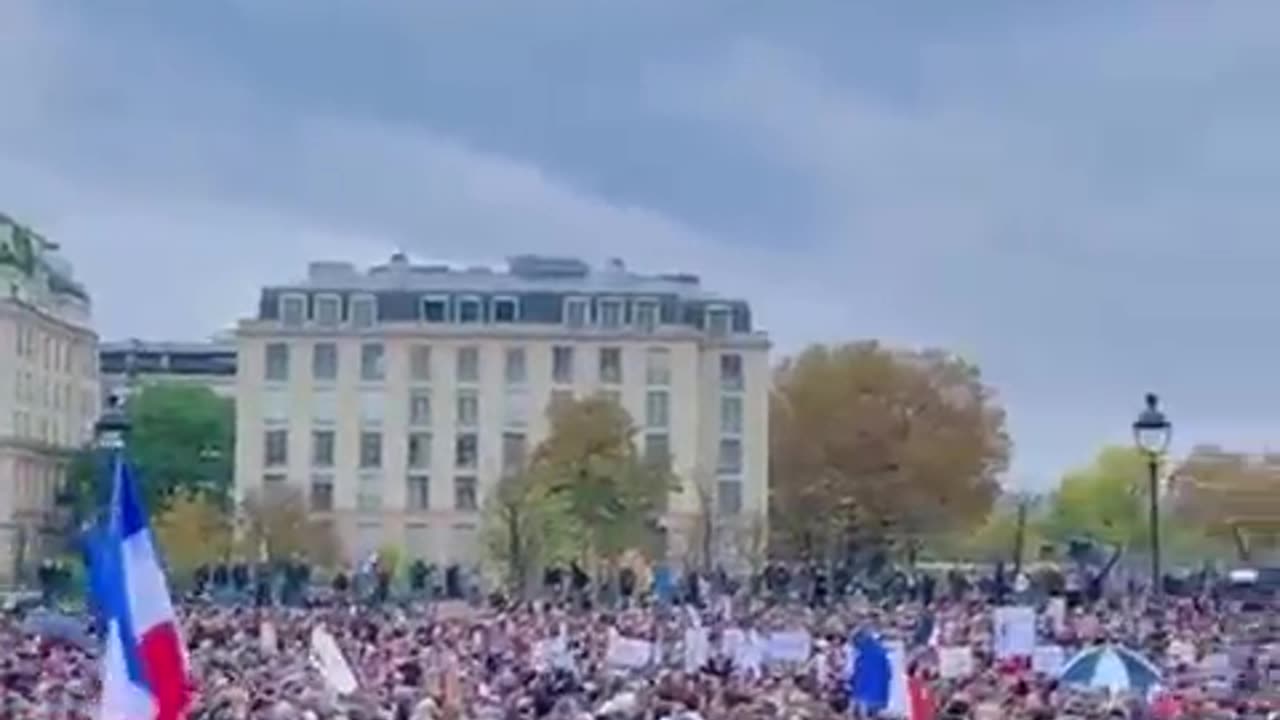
48	389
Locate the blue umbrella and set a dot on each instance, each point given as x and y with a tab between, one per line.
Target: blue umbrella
1109	667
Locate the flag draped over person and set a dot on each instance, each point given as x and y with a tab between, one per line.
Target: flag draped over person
144	664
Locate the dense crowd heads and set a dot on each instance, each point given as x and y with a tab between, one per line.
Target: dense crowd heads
708	659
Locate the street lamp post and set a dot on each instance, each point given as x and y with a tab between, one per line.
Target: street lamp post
1151	433
112	429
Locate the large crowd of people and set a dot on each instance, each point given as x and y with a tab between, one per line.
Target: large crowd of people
563	657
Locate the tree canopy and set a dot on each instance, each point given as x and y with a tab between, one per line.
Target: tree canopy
276	524
193	530
182	439
589	462
868	441
1105	500
1230	497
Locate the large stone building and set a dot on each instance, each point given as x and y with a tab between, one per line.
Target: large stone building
48	389
126	366
395	397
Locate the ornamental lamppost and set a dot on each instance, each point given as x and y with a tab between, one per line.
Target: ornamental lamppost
112	429
1151	433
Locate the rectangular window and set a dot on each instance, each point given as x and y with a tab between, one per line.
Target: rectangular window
729	497
657	409
364	312
468	408
657	448
611	365
435	309
467	450
575	312
719	321
559	397
731	415
657	367
464	493
420	363
293	310
372	407
328	311
469	310
515	406
646	316
516	370
729	458
277	362
562	364
418	492
419	447
420	408
613	396
324	407
731	371
370	450
324	362
468	369
610	316
369	492
322	448
273	483
505	310
321	499
513	453
276	448
275	406
373	362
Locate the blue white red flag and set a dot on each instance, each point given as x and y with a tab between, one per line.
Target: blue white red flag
144	670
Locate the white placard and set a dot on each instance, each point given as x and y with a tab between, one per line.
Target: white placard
790	646
1182	652
697	648
1057	612
267	638
1015	632
628	652
1048	659
327	658
955	662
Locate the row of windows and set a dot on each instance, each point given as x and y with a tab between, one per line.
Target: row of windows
609	313
52	395
54	353
467	364
369	495
46	430
369	490
466	450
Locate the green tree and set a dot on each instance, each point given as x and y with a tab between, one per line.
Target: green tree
590	462
1106	500
182	439
527	528
869	442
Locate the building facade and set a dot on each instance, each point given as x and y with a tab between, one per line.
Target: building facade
394	398
126	366
48	390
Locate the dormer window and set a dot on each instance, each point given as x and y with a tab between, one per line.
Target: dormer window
575	312
645	315
364	312
328	311
719	321
293	309
435	309
610	313
506	310
469	310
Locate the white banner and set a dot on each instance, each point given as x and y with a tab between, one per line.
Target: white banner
1015	632
955	662
627	652
792	646
327	658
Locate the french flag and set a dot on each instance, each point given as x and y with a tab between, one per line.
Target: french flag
144	671
879	680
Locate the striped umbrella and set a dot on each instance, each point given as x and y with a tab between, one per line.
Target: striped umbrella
1110	667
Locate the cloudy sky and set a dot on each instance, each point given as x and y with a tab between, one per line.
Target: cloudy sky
1082	201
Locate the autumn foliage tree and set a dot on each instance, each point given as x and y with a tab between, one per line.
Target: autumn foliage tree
1230	497
867	441
194	530
526	528
589	461
276	524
